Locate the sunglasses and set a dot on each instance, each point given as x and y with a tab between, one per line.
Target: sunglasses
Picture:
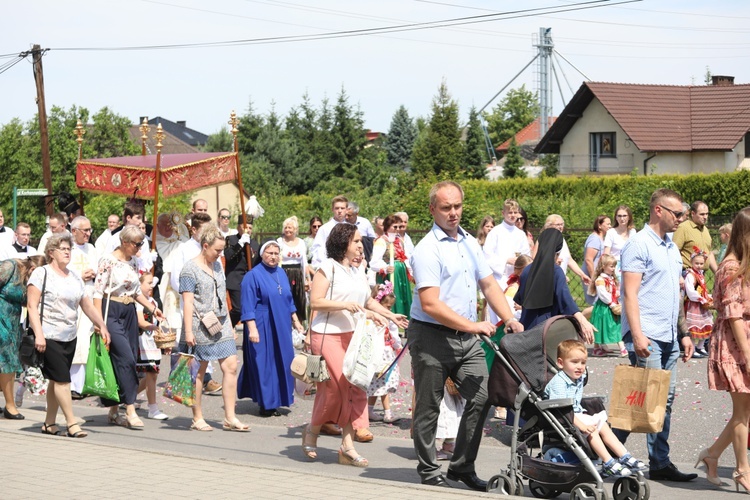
521	219
677	215
137	245
316	227
224	217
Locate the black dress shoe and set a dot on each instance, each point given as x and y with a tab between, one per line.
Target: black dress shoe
470	479
273	412
11	416
437	481
670	473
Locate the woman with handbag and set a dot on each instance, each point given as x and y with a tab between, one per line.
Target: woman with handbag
268	313
54	295
340	289
14	274
207	329
116	290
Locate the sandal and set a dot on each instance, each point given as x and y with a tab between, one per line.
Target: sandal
46	430
134	422
201	425
235	425
346	459
363	436
117	419
310	451
79	434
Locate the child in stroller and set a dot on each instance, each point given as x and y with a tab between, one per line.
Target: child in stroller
568	383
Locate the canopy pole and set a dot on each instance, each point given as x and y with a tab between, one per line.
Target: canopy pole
234	121
79	133
145	129
157	182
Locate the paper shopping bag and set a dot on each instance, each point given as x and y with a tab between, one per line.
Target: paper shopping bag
639	398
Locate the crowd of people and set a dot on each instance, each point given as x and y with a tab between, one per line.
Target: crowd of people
645	292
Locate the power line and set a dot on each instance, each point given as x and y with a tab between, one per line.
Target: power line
6	66
591	4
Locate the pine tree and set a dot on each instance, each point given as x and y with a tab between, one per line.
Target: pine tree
513	166
475	157
441	151
399	142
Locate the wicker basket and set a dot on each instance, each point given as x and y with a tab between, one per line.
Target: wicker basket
165	337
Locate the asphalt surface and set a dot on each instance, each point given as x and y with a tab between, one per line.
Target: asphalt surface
699	416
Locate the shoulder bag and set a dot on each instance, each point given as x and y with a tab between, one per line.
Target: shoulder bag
209	320
28	354
309	367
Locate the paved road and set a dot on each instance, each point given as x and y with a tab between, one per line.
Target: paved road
166	458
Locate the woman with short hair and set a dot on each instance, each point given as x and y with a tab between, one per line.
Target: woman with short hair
203	289
59	292
116	290
293	253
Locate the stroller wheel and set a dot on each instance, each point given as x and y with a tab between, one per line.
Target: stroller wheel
541	491
587	491
629	488
502	485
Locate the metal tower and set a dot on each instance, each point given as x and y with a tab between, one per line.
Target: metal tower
544	57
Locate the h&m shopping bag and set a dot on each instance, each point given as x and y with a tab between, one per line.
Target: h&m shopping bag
639	398
100	375
180	385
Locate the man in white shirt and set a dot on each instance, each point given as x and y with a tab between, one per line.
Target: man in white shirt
57	224
113	221
338	207
21	248
352	217
503	244
84	261
408	245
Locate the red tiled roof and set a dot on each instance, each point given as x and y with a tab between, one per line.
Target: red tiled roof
663	117
530	133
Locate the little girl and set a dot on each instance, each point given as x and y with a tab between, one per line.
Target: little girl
149	356
606	313
383	386
698	316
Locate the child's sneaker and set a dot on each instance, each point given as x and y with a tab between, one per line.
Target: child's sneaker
157	415
374	417
388	417
632	463
614	468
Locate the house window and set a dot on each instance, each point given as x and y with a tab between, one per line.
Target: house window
747	145
602	145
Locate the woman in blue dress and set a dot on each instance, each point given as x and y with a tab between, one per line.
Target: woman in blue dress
268	314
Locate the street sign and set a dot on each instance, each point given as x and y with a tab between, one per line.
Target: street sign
31	192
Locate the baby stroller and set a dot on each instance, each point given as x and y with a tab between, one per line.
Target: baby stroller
523	365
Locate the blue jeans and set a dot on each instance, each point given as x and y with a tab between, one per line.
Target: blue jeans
664	356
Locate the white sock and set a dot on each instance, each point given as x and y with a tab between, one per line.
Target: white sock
153	408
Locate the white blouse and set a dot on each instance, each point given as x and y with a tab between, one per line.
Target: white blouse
124	278
615	241
349	285
62	295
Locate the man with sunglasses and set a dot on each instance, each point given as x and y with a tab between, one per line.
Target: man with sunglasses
651	271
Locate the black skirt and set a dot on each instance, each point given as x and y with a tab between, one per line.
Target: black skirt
58	358
297	282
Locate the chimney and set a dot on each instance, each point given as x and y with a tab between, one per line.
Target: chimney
182	123
722	81
140	120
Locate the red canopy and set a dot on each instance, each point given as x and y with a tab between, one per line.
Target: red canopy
136	175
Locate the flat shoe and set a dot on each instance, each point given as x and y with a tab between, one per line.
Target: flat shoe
78	434
117	420
12	416
46	430
201	425
134	422
235	425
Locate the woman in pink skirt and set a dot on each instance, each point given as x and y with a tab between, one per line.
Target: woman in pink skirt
340	289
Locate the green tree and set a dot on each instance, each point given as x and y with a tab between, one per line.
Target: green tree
517	109
220	141
441	151
513	166
399	142
348	133
475	156
248	130
551	163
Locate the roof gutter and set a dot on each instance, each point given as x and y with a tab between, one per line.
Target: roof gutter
645	163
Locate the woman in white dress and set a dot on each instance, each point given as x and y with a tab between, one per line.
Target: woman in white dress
621	231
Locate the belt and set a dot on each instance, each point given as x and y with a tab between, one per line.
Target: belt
123	300
439	327
291	266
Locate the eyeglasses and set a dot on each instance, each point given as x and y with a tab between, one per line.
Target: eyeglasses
677	215
621	215
224	217
138	244
64	249
216	288
83	230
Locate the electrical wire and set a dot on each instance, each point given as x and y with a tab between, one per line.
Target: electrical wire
591	4
6	66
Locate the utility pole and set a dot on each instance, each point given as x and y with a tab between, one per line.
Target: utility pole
37	52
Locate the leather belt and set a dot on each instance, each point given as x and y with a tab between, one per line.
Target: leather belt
122	300
439	327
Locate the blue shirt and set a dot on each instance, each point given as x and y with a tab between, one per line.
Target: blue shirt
562	387
452	264
659	261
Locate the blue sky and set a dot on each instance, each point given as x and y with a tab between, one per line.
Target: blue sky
652	41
